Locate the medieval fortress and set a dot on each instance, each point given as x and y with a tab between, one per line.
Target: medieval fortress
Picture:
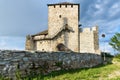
64	32
57	45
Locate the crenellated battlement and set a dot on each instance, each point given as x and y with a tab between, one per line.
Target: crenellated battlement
89	29
62	6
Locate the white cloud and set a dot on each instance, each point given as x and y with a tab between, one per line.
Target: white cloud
97	6
115	9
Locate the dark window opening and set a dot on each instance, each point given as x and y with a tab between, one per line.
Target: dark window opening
60	16
72	6
60	6
66	6
54	6
42	49
41	42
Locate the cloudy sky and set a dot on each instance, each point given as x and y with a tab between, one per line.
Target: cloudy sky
21	17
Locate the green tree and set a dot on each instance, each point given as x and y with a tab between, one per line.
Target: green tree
115	42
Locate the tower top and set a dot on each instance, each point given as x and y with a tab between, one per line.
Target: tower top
63	3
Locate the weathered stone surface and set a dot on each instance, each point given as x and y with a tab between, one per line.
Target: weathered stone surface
43	62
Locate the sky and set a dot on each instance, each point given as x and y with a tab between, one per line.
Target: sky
19	18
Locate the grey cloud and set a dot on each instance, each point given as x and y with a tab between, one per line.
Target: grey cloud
23	17
98	12
99	9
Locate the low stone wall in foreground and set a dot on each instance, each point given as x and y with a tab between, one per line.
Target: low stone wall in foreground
43	62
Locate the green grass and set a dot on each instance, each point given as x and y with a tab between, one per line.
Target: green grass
102	72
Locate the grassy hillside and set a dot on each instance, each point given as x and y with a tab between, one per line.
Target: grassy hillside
103	72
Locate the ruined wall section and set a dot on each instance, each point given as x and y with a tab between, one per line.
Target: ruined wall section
89	40
43	45
58	16
30	45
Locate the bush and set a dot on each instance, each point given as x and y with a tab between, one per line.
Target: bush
117	56
106	54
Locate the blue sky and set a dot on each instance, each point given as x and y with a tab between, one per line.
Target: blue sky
19	18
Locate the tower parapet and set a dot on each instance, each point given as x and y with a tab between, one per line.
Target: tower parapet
95	28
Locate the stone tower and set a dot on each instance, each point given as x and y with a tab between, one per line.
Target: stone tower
62	14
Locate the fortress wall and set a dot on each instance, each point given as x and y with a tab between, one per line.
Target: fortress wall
34	43
59	39
48	45
43	45
40	37
43	62
89	40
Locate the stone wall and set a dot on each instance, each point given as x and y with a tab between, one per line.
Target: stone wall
30	45
43	45
89	40
48	44
43	62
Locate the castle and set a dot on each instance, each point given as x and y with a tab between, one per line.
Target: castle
64	32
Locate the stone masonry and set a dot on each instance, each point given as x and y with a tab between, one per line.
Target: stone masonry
63	32
43	62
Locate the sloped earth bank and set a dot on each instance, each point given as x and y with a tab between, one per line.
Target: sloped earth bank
115	73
